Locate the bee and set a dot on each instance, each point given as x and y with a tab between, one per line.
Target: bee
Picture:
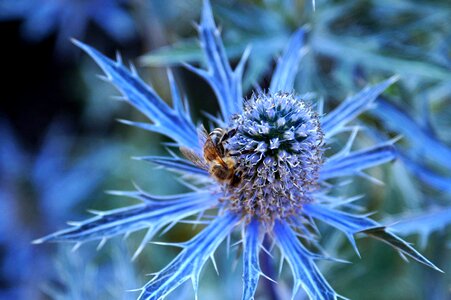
215	157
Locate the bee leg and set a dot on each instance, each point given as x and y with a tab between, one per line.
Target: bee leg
236	179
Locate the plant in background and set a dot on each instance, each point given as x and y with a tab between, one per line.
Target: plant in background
240	31
423	157
344	38
70	19
80	276
264	170
47	177
421	178
423	153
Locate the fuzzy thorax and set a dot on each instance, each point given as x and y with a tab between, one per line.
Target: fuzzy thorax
278	151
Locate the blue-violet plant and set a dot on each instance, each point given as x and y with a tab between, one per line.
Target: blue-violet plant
70	18
277	141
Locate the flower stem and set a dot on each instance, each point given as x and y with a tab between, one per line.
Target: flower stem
267	266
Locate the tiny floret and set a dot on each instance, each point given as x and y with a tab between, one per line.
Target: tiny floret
278	151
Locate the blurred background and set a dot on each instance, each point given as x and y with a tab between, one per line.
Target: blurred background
61	147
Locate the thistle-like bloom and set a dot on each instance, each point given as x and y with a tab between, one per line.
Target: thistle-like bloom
276	142
278	151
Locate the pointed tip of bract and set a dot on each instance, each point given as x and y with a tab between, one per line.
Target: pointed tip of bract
394	78
207	15
81	45
141	158
76	246
101	244
118	57
76	42
119	193
299	33
395	140
353	244
38	241
136	253
195	285
106	64
296	286
438	269
44	239
170	75
133	290
268	278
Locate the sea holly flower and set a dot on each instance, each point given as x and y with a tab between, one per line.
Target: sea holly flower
263	171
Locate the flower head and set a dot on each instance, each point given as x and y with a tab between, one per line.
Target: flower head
278	151
274	145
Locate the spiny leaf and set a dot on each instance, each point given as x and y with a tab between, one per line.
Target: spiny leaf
287	66
356	51
251	265
353	106
175	124
189	262
175	163
225	82
357	161
380	233
422	222
301	261
422	141
153	213
351	224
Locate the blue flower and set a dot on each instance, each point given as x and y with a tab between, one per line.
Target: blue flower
69	18
263	171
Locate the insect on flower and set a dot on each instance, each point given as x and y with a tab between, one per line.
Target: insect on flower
216	160
274	143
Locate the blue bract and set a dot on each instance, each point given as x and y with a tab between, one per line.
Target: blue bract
275	141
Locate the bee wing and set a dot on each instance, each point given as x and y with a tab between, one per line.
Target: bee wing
194	158
202	134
